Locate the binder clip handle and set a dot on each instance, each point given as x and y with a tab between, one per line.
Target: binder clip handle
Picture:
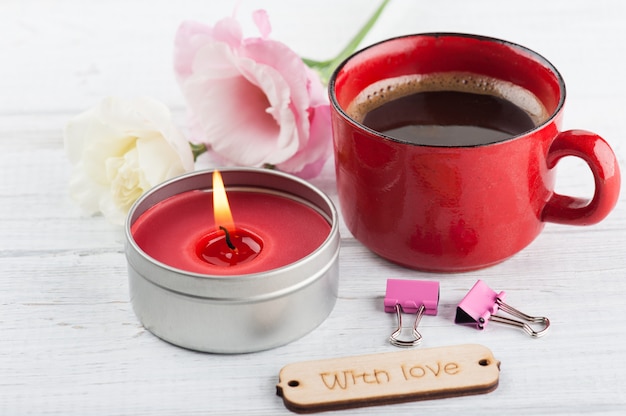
410	296
394	338
521	324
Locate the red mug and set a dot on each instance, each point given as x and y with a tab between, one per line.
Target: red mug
449	208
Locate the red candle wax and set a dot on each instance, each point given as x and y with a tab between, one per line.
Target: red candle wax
225	248
172	231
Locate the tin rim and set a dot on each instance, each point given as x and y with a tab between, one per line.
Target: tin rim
236	287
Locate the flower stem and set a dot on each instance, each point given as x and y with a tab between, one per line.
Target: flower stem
197	149
326	68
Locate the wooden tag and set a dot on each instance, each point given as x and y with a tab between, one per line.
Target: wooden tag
365	380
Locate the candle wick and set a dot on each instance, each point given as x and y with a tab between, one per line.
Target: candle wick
229	242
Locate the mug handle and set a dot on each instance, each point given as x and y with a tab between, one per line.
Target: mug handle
601	160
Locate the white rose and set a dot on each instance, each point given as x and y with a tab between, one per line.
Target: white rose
119	150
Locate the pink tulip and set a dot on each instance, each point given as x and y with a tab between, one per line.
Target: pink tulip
252	101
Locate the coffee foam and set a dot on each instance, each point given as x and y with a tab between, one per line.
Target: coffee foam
389	89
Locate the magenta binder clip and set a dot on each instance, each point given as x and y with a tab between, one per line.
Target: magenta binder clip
481	304
410	296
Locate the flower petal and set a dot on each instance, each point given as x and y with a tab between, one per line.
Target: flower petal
157	161
262	21
309	161
237	125
289	65
82	188
228	31
83	129
190	37
279	95
215	61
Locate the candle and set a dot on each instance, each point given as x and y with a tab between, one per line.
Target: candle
270	231
227	246
275	280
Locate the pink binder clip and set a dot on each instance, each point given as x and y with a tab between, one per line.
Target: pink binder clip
410	296
481	304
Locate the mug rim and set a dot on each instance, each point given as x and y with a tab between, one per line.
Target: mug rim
533	55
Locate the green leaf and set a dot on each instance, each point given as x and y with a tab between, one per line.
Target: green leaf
316	64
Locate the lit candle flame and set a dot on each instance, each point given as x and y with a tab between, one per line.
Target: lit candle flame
221	208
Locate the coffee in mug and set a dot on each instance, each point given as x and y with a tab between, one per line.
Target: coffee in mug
448	109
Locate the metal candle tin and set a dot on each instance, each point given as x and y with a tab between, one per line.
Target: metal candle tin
241	313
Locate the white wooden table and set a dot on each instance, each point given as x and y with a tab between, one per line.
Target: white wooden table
70	343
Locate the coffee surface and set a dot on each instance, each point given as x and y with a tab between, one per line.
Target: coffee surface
449	118
448	109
